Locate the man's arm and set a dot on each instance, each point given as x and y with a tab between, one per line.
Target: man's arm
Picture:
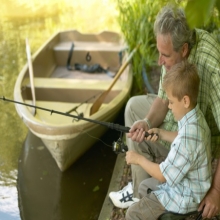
155	116
157	112
211	202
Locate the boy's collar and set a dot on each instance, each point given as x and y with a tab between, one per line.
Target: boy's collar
186	118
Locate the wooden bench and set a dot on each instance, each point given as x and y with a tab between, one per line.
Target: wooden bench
103	53
68	90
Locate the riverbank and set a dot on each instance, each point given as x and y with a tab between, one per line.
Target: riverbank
120	178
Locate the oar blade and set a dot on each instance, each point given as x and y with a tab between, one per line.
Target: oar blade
98	102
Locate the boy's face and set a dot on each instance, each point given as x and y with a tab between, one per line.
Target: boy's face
177	107
167	55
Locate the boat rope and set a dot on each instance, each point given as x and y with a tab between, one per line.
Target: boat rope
146	80
106	124
96	68
121	54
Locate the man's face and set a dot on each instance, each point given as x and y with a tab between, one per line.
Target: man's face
167	56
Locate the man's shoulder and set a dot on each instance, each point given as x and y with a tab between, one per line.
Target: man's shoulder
203	35
206	41
206	51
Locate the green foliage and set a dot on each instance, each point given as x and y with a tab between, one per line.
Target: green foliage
203	13
136	19
217	5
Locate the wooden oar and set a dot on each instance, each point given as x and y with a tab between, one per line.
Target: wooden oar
31	74
98	102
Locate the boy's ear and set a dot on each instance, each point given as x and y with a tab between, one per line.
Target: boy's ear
186	101
185	49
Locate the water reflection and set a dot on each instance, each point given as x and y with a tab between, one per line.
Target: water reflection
38	20
8	196
78	193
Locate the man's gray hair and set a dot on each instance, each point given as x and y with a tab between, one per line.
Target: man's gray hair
171	20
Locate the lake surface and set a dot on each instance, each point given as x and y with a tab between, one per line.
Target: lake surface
31	186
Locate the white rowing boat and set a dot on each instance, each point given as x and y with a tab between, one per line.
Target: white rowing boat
61	82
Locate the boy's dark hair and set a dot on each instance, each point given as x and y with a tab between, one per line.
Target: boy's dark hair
182	79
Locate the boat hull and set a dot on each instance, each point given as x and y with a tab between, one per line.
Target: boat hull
60	88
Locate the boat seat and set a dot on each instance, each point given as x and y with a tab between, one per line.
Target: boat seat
89	46
104	53
45	88
59	83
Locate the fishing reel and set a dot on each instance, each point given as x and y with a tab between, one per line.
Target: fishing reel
119	146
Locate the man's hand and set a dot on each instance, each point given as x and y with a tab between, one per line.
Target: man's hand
211	204
137	131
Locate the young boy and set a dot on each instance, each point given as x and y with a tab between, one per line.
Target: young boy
179	183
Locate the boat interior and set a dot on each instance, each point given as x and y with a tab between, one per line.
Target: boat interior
73	69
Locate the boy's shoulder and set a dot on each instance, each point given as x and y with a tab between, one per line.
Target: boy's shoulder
195	128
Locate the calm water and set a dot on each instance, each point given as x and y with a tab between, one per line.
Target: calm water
31	186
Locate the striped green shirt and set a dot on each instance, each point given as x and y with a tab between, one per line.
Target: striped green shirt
206	55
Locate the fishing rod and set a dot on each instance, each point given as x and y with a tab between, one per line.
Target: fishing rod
106	124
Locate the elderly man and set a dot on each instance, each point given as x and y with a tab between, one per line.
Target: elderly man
175	42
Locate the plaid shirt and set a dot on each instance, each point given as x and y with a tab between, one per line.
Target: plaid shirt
187	168
206	55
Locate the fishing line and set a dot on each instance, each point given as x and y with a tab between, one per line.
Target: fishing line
94	137
117	147
98	139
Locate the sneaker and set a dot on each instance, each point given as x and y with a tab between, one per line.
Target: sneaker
123	198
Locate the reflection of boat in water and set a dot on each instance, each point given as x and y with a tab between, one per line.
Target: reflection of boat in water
61	83
46	193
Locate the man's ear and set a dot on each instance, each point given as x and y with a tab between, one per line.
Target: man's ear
185	49
186	101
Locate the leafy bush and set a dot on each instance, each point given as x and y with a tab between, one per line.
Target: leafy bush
136	19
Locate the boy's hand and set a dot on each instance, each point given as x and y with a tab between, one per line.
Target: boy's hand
156	136
132	157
